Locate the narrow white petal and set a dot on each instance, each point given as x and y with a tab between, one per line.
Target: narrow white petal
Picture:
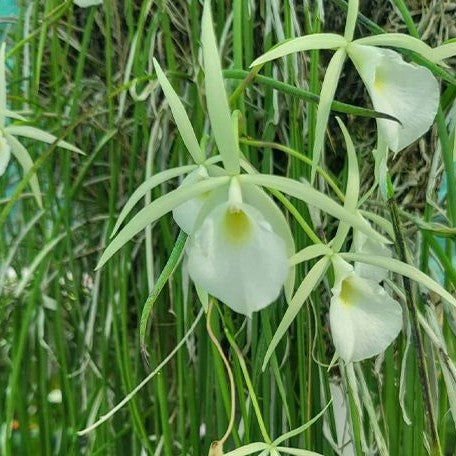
406	91
364	319
5	154
237	257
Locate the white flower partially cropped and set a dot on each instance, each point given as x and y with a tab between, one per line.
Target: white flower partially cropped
406	91
364	319
236	256
8	142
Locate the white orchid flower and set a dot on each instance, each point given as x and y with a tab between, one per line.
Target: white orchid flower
364	319
405	91
8	142
236	256
239	240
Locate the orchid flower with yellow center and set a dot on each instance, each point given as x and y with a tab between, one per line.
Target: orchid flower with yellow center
9	144
364	318
405	91
239	240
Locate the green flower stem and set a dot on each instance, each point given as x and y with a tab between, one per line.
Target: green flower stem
417	338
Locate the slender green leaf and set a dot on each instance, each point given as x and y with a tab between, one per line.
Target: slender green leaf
23	157
310	281
40	135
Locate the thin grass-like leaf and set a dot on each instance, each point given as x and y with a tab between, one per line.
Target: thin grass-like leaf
167	271
3	106
300	44
216	99
310	281
180	116
40	135
23	157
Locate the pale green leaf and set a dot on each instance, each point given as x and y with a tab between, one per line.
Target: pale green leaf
29	271
310	281
147	185
216	99
401	268
3	106
328	89
23	157
302	43
248	449
40	135
180	116
400	40
309	253
314	198
155	210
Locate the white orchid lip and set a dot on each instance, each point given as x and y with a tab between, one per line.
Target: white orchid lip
364	319
236	256
408	92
